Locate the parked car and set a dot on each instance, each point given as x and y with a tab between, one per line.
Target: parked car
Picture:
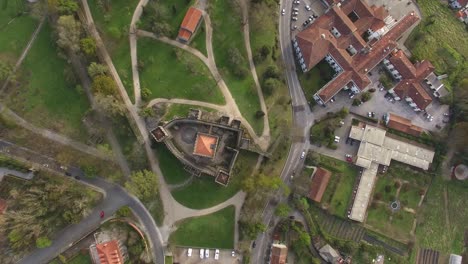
337	139
216	254
283	11
202	253
189	252
295	13
294	18
294	27
303	155
307	7
207	253
254	244
296	9
233	253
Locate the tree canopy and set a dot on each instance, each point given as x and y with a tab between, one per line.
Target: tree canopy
104	84
143	184
69	30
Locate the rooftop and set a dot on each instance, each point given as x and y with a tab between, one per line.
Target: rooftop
3	206
190	23
363	193
205	145
319	184
351	19
109	253
402	124
279	253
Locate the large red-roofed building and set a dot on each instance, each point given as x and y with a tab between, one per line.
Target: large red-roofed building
189	24
353	38
402	124
107	253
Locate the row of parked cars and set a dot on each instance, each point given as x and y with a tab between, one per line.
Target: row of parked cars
205	253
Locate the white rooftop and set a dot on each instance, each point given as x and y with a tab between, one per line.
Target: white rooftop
363	193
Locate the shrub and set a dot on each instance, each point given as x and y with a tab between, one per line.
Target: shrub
366	96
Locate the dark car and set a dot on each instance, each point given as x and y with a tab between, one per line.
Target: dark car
254	244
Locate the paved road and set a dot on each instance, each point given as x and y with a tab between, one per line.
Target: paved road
114	198
302	120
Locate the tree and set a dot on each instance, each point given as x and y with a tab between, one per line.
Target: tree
270	85
312	158
302	204
104	85
88	46
67	6
69	30
366	96
145	93
272	72
143	184
43	242
343	112
282	210
108	104
250	229
5	70
95	69
259	114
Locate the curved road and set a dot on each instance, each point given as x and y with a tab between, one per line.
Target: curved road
302	120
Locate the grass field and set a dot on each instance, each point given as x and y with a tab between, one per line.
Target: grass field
204	192
171	167
398	228
432	223
181	110
345	173
199	41
228	35
173	73
15	29
81	259
210	231
114	24
264	33
380	188
410	196
440	38
315	78
43	95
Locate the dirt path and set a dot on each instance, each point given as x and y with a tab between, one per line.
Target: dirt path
219	108
245	13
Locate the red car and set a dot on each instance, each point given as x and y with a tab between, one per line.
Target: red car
101	214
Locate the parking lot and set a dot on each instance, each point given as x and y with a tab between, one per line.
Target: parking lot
225	257
316	8
381	105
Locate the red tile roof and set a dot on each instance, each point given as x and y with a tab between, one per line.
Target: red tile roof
190	23
316	42
278	254
412	75
404	125
205	145
109	253
3	206
319	184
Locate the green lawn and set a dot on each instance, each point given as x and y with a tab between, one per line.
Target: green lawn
43	95
170	166
81	259
181	110
168	260
113	23
440	38
381	189
410	196
346	174
204	192
228	35
199	40
15	31
315	79
402	171
399	228
211	231
431	220
174	73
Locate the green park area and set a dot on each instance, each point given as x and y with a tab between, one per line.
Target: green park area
266	54
170	72
231	58
340	187
199	40
16	28
315	78
396	225
181	110
442	39
45	93
113	19
40	207
212	231
204	192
